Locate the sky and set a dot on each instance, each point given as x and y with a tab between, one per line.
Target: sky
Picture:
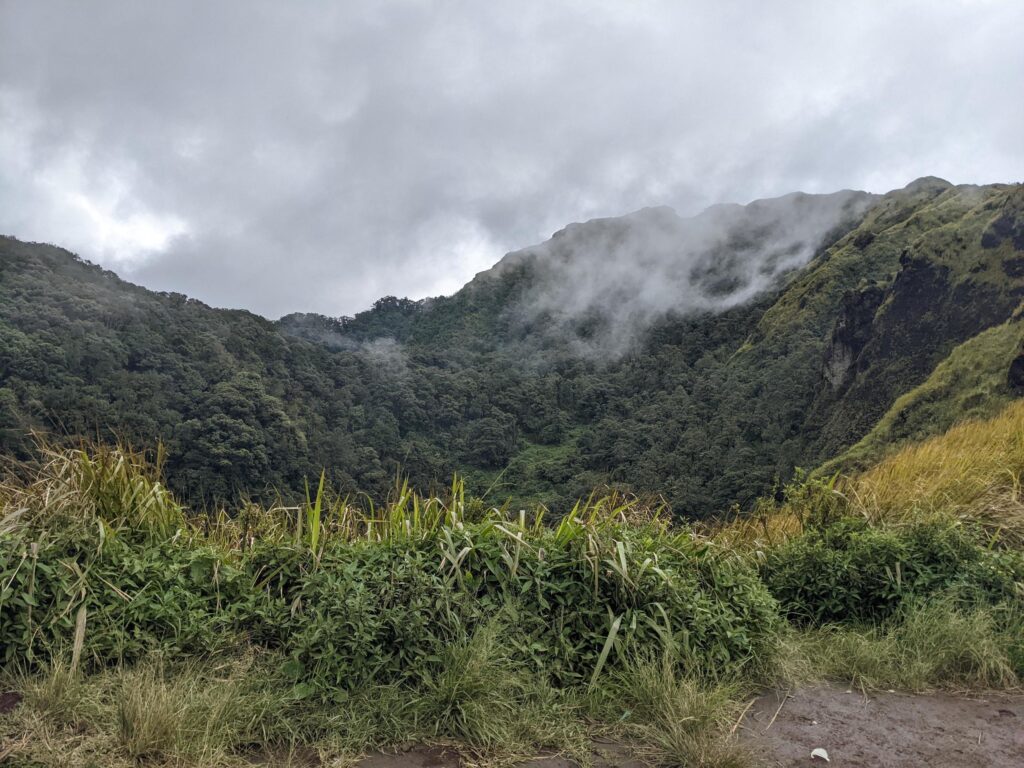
316	156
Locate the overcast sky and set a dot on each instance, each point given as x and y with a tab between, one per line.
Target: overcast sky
284	156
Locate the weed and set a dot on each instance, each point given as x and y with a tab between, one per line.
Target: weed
680	719
928	644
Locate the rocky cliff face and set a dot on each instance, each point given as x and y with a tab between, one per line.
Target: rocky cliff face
851	333
951	284
1015	375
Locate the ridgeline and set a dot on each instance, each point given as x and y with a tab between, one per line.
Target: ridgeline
701	359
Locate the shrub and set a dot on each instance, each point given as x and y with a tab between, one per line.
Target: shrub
850	571
929	643
136	596
358	598
383	612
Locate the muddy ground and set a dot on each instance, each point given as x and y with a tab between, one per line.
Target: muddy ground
604	755
887	730
857	729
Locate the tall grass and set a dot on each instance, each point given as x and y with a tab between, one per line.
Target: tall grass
477	693
196	713
971	474
678	719
191	711
928	645
430	617
117	487
349	625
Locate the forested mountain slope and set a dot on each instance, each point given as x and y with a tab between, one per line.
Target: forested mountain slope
699	358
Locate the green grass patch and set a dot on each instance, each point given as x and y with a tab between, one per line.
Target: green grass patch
938	643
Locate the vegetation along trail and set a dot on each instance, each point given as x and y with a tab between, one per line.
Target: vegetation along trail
135	631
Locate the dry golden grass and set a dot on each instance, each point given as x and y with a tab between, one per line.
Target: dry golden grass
972	473
768	526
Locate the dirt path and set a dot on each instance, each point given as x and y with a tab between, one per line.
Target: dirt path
887	730
604	755
874	730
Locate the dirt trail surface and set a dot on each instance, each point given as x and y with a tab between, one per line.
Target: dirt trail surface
604	755
873	730
886	730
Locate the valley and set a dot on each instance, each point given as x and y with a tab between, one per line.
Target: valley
746	343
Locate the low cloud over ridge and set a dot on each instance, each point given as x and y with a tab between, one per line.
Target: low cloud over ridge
601	284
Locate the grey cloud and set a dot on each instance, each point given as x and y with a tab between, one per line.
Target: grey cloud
314	156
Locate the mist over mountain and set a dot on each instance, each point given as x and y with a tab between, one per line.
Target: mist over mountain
595	289
604	283
702	358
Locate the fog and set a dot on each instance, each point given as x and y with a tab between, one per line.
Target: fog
599	286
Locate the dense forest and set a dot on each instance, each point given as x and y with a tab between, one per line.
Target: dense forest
704	359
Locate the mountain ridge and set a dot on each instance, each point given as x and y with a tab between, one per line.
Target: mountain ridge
846	311
569	243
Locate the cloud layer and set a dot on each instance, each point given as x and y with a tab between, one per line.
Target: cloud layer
314	156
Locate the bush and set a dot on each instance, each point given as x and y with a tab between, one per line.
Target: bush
929	643
382	613
849	571
136	596
95	548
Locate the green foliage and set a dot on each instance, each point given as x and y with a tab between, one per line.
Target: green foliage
850	571
381	612
138	634
137	596
707	409
97	538
363	597
934	643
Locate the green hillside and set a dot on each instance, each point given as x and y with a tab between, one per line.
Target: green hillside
974	382
701	359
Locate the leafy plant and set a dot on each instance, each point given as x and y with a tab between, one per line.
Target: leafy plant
850	571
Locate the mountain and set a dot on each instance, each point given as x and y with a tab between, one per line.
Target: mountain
701	358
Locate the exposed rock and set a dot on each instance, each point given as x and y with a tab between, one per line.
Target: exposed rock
864	239
850	333
1005	227
1015	375
1014	267
924	313
1008	225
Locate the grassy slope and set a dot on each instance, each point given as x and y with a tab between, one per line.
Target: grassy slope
970	474
972	471
969	384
